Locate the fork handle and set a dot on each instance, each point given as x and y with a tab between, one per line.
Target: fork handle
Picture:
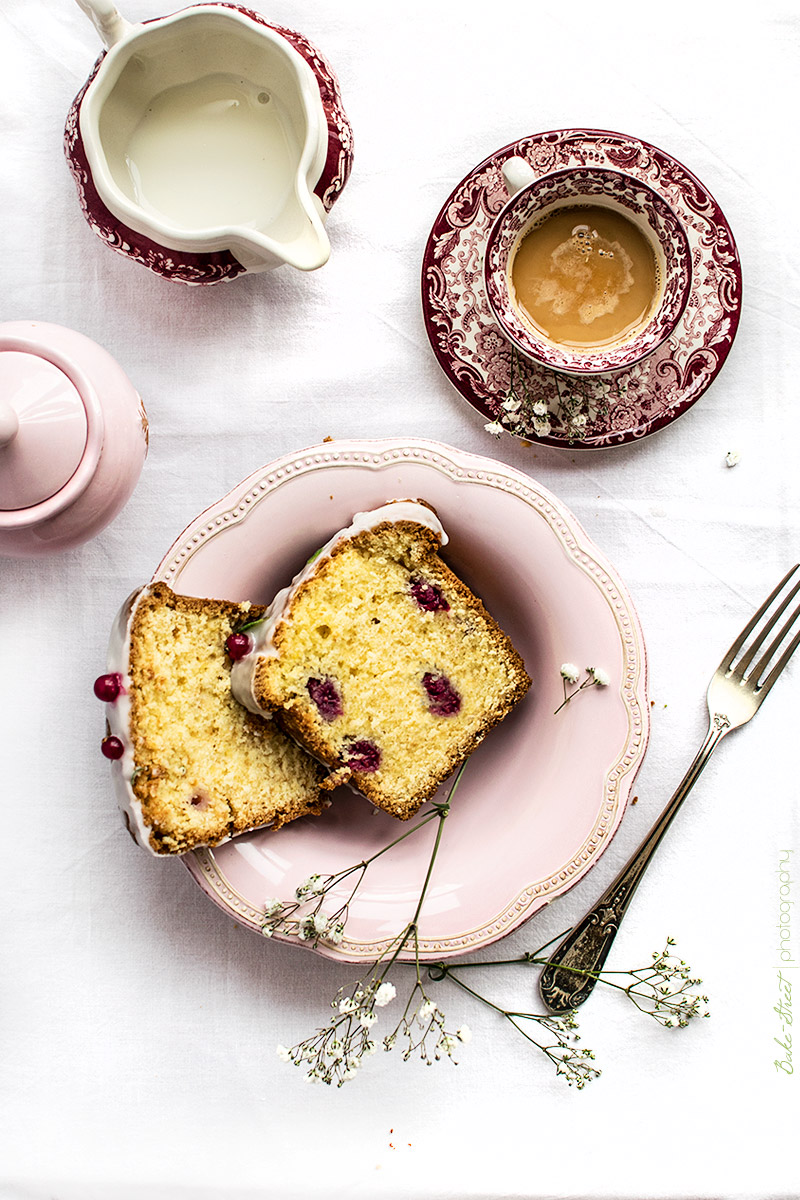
571	972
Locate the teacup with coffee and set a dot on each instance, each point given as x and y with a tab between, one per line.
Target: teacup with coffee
587	269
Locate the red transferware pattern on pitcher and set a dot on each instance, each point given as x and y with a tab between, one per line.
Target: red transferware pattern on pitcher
212	267
535	402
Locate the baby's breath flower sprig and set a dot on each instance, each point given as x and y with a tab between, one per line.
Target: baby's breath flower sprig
304	917
421	1028
559	1037
334	1054
519	413
662	989
570	674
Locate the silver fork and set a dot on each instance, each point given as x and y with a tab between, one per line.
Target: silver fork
735	694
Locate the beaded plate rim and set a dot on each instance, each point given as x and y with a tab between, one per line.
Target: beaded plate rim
459	466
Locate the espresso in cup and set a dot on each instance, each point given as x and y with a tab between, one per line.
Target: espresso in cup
587	270
586	276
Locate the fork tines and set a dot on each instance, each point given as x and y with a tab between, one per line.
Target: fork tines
784	594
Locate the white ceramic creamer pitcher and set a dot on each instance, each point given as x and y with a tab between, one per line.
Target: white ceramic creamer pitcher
208	143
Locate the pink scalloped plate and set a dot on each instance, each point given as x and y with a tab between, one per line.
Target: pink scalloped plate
593	412
542	797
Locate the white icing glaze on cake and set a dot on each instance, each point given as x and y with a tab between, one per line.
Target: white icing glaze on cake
118	717
262	634
118	714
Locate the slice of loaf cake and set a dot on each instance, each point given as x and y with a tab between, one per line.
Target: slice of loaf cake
380	661
191	766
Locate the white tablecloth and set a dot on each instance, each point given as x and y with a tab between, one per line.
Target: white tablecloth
138	1023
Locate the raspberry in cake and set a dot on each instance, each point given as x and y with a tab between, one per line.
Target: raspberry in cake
381	662
191	766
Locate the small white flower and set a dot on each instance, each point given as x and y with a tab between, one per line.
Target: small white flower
312	926
272	907
309	887
367	1019
349	1074
335	933
578	423
384	994
369	1049
599	675
570	672
283	1054
347	1005
540	409
494	428
732	458
267	930
464	1034
427	1009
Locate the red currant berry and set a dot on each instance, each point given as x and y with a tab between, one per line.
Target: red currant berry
112	747
326	696
108	687
362	756
238	646
444	700
428	596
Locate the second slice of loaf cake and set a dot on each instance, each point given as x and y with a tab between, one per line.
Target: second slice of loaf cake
191	766
381	662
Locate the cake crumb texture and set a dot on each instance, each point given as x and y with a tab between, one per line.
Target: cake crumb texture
388	668
205	768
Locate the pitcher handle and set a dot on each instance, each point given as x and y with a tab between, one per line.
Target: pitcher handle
107	21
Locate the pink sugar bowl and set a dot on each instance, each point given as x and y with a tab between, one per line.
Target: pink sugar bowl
73	438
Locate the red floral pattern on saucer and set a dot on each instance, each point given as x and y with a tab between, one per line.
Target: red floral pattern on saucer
530	400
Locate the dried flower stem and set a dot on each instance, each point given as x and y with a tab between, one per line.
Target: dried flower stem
311	925
595	677
334	1054
575	1064
661	989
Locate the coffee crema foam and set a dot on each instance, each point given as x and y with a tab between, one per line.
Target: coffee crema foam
586	277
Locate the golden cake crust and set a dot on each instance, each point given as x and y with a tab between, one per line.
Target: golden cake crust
486	664
205	768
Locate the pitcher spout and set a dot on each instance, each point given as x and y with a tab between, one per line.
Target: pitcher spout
298	239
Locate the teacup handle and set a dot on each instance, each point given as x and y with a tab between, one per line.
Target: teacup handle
517	173
107	21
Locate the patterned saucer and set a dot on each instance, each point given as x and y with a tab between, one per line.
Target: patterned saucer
532	401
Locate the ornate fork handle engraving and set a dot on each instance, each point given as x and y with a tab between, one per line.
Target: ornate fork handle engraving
571	972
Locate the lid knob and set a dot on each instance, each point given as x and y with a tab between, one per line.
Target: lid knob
9	423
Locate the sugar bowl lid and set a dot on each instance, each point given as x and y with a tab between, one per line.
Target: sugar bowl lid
51	431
